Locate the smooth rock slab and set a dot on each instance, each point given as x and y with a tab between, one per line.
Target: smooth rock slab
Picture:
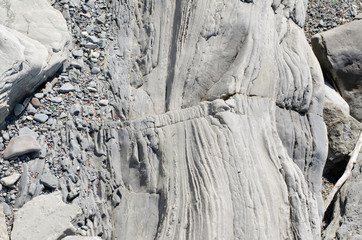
40	117
11	180
67	87
21	145
27	131
45	217
49	180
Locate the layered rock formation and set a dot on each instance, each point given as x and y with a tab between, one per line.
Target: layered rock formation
225	138
210	124
33	40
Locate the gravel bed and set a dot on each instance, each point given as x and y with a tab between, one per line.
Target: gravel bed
323	15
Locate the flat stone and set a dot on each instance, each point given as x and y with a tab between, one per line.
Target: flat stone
67	87
21	145
95	70
31	109
40	117
27	131
45	217
91	45
19	108
49	180
56	99
77	53
92	39
11	180
39	95
103	102
36	102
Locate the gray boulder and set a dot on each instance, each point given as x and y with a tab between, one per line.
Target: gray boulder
21	145
33	48
339	52
45	217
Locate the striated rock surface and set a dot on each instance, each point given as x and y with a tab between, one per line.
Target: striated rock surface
339	52
223	107
190	120
45	217
34	38
346	218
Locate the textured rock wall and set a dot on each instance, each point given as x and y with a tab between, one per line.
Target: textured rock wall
213	129
223	135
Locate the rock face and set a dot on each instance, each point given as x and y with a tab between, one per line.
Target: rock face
45	217
223	122
207	123
34	37
340	53
347	210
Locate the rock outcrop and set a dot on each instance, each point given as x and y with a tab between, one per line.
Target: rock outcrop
339	52
33	39
45	217
196	120
346	216
223	102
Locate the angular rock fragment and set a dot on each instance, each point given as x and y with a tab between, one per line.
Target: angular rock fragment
21	145
45	217
10	180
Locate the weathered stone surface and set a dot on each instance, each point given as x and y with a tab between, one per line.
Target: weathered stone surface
3	228
343	132
21	145
32	45
339	52
347	209
45	217
208	169
10	180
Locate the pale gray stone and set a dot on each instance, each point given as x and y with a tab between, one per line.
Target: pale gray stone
103	102
56	99
11	180
40	117
49	180
31	46
27	131
45	217
67	87
21	145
